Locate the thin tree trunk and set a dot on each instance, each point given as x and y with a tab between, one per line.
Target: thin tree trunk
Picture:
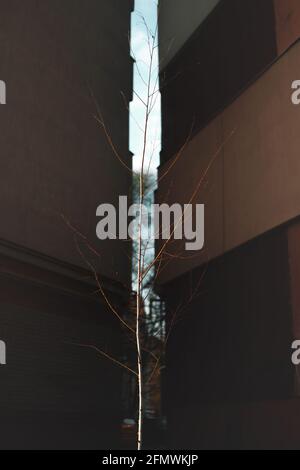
139	355
140	264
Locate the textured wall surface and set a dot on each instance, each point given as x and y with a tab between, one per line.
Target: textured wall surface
234	306
55	393
59	60
287	23
235	43
229	352
249	156
178	20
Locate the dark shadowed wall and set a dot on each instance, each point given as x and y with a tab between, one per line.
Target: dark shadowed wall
227	112
230	347
62	61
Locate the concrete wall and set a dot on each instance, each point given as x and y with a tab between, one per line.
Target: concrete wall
229	127
177	22
229	350
56	394
249	156
55	158
265	425
55	161
227	52
287	23
294	260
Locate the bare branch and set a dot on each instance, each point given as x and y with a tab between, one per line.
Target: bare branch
103	353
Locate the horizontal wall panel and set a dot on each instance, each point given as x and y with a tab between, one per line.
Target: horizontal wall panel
261	160
259	188
195	176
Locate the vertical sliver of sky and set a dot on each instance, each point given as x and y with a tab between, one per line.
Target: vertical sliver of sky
146	9
145	12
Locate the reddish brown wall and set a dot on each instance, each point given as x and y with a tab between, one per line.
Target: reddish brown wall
235	43
287	13
294	260
265	425
227	51
54	156
55	160
253	184
55	394
230	350
229	355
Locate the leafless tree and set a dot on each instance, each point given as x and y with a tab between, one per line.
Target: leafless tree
144	327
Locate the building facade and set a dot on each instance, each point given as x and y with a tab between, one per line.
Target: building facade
65	64
230	129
